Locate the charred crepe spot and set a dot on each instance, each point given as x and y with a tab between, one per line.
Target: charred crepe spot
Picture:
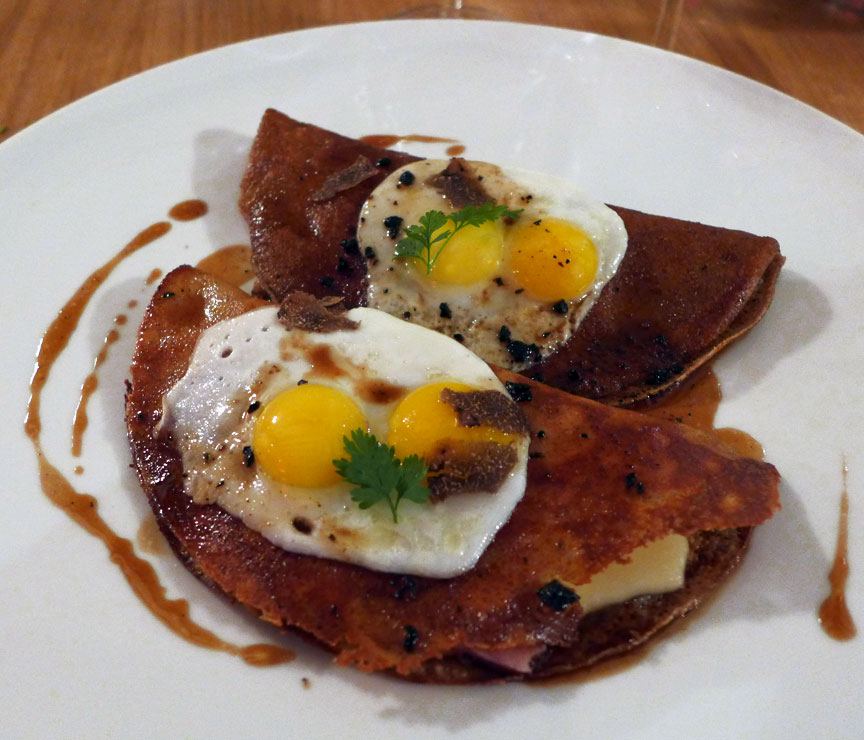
411	639
302	525
168	294
469	467
392	224
557	596
226	352
248	456
486	408
499	281
406	178
140	417
444	311
519	392
332	538
659	377
305	682
350	247
369	253
560	307
519	291
538	222
253	407
404	588
458	337
541	434
406	315
583	435
521	351
383	162
302	381
631	481
327	281
504	334
535	455
220	483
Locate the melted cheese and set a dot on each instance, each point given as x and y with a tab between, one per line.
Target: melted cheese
656	568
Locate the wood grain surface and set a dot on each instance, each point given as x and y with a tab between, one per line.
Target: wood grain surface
55	51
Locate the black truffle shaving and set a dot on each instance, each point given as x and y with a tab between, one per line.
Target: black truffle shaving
557	596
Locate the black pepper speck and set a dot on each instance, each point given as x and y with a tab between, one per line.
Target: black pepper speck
248	456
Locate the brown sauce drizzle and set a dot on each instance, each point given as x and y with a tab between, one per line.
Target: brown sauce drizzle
82	507
387	140
323	363
456	150
78	470
231	264
154	275
132	304
88	388
188	210
380	391
695	404
834	614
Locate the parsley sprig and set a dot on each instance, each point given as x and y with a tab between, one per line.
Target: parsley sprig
421	243
379	475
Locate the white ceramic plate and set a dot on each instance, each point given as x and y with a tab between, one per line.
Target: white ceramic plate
631	124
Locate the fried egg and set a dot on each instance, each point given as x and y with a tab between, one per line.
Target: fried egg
262	413
512	291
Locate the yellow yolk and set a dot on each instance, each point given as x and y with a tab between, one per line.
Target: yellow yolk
551	259
299	433
422	421
473	255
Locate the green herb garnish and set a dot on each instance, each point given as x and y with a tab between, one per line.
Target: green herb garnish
422	243
379	475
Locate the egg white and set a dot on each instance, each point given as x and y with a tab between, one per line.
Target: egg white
253	357
479	310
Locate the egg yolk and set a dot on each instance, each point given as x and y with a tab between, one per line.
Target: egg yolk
299	433
551	259
422	421
473	255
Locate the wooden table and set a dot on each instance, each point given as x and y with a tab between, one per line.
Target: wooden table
53	52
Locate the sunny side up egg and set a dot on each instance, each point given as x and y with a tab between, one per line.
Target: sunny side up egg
263	410
513	290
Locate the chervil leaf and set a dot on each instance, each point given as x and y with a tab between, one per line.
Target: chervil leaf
476	215
410	485
420	238
378	475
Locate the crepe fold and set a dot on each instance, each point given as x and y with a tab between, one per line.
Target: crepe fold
682	293
580	513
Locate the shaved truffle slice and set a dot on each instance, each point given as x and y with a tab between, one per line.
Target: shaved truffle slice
362	169
469	467
692	485
682	293
486	408
308	313
458	183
